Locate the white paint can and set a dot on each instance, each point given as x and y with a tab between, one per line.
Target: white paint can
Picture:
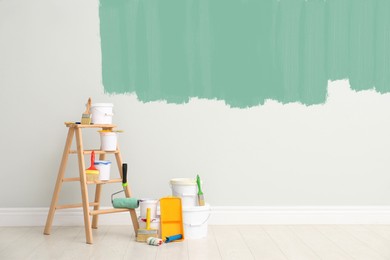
148	203
186	189
104	168
108	140
195	221
154	223
102	113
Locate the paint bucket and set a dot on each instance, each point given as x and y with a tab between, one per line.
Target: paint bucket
104	169
186	189
148	203
102	113
154	223
195	221
108	140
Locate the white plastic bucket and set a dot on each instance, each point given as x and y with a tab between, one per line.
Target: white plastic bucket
108	141
186	189
148	203
195	221
104	169
102	113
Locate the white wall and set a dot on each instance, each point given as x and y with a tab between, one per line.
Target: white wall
292	155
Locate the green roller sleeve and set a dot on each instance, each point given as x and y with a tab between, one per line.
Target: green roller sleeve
128	203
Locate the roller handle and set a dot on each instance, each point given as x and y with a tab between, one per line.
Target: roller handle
124	174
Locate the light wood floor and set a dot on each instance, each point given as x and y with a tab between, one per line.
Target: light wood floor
333	242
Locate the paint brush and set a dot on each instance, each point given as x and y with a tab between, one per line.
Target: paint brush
87	116
92	172
144	234
200	192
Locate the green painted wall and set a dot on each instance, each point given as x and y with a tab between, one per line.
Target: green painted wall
243	51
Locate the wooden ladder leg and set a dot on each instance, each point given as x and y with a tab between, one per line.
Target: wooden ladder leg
98	191
60	176
133	214
84	188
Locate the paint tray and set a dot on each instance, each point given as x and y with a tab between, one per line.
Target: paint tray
171	219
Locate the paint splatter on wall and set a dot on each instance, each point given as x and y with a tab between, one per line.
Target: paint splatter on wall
243	51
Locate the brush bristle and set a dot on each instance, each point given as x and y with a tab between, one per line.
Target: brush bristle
89	171
86	119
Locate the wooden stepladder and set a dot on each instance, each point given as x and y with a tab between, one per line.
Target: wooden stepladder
76	129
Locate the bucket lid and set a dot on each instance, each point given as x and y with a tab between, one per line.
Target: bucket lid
102	105
102	162
183	181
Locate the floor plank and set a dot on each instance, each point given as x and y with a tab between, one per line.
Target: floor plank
231	243
79	249
205	248
382	230
344	242
172	251
260	243
138	250
370	238
320	244
56	244
9	234
354	247
114	243
24	244
290	244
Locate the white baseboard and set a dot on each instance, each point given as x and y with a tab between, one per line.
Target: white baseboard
219	216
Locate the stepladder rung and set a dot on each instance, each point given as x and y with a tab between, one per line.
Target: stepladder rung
92	182
104	182
76	205
95	151
107	211
71	179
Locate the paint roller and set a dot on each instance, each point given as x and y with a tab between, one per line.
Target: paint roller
128	203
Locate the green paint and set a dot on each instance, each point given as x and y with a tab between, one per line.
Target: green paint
243	51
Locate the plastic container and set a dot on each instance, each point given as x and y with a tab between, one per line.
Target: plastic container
186	189
104	168
102	113
195	221
148	203
108	140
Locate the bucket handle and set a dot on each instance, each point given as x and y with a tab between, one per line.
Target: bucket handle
197	225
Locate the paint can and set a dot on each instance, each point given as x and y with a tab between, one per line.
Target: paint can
102	113
104	168
148	203
154	223
186	189
195	221
108	140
